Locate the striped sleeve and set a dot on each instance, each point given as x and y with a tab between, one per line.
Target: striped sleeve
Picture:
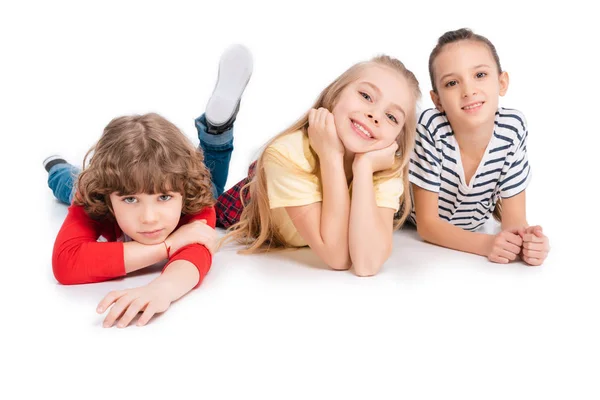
425	163
518	174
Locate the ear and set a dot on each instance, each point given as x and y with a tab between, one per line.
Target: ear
436	100
503	79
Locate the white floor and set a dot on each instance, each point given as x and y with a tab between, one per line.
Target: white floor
434	324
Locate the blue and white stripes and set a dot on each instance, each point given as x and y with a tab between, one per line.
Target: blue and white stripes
503	172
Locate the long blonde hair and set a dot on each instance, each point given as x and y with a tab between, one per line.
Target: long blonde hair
256	228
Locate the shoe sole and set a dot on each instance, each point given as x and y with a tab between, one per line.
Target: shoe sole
51	158
235	69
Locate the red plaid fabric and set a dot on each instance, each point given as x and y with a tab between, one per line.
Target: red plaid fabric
229	204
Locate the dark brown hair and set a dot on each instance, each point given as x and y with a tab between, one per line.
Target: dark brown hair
453	37
456	36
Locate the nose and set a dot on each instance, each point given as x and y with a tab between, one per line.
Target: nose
469	89
149	214
372	118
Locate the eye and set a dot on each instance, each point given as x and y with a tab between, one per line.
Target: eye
165	197
481	75
365	95
451	83
129	200
392	118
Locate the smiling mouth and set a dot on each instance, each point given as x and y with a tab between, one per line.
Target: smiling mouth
361	130
473	106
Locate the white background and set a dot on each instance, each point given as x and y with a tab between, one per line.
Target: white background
433	324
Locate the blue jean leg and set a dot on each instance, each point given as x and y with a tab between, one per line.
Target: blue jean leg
61	179
217	154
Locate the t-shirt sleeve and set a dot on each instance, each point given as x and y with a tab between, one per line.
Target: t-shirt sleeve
288	184
195	253
518	175
78	257
425	162
388	192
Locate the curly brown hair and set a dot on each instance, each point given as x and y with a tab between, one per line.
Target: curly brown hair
143	154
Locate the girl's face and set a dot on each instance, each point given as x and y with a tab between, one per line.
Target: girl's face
147	218
370	112
468	84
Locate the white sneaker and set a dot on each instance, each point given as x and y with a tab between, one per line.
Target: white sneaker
235	69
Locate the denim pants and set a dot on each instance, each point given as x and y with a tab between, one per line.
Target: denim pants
217	154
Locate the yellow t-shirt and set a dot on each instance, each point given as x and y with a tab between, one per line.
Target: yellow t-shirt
288	163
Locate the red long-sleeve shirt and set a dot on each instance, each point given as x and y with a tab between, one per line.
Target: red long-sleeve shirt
78	257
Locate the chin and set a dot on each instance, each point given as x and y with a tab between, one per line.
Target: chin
356	145
147	241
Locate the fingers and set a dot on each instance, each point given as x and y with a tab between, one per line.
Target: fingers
535	246
147	315
541	254
513	248
117	310
530	237
322	117
108	300
311	117
512	238
134	308
509	255
533	261
498	259
329	121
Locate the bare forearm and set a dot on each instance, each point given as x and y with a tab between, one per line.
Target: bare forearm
508	224
370	238
445	234
138	256
335	211
178	278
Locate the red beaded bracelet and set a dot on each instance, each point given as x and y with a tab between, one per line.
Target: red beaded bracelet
168	250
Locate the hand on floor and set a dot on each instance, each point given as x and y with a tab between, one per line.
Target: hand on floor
505	247
151	299
535	245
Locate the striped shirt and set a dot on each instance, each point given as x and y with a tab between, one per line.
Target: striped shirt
503	172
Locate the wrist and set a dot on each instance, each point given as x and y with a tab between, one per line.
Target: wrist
361	164
486	243
163	284
332	162
332	156
168	247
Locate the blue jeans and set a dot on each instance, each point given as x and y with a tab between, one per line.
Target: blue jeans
217	154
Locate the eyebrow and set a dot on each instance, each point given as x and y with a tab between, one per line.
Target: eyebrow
475	67
394	105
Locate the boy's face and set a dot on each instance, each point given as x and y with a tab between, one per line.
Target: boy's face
147	218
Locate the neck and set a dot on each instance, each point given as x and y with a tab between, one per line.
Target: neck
474	138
